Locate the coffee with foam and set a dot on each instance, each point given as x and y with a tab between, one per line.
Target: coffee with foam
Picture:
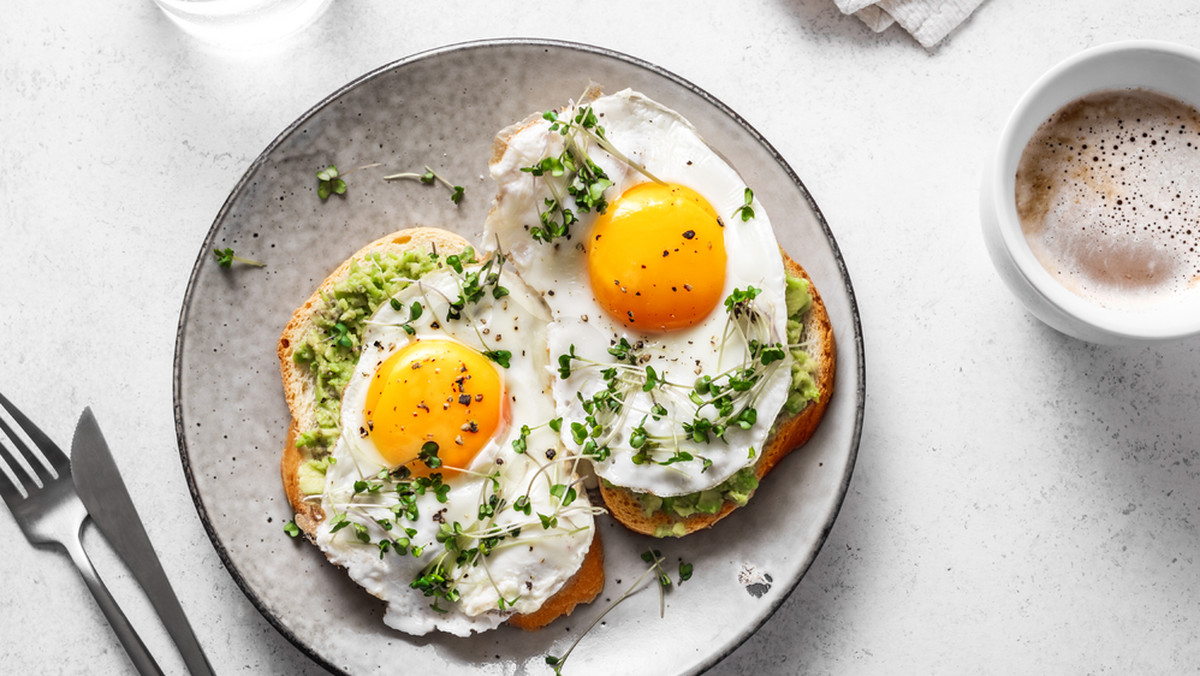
1108	195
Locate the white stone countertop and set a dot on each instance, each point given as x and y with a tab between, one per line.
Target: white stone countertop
1022	502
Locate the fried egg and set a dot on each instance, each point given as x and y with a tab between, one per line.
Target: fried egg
668	329
449	496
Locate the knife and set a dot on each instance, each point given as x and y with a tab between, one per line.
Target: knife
103	492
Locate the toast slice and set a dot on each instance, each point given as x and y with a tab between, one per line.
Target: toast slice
789	433
301	389
299	383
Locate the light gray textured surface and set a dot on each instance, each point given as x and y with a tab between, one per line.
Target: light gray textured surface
1021	502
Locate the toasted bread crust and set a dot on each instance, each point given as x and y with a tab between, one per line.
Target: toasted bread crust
789	433
584	586
587	581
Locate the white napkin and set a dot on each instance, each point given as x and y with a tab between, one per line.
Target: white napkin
926	20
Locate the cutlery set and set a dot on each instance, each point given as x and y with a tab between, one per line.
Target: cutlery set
51	501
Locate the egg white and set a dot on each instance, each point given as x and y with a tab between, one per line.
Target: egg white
529	567
669	148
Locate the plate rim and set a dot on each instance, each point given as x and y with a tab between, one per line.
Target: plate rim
489	43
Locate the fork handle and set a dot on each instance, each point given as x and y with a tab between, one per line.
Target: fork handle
138	654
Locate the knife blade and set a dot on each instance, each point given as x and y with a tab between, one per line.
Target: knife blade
103	492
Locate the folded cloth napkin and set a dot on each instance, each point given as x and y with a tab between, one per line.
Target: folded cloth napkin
926	20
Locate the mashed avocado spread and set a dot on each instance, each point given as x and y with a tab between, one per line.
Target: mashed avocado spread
739	487
331	348
804	385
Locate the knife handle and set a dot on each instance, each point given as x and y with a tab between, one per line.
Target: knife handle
138	654
150	575
103	493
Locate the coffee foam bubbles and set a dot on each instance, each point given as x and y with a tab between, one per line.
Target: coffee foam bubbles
1108	194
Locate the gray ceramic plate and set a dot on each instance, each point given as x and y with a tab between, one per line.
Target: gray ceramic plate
442	109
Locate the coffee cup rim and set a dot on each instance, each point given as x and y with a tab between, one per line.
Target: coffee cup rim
1065	82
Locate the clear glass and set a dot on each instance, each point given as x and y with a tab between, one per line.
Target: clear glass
243	23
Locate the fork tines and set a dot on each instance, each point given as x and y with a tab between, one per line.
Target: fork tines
43	468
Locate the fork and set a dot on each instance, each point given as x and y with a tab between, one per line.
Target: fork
49	511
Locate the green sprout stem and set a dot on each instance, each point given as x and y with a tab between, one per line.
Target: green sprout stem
655	567
609	148
226	257
428	178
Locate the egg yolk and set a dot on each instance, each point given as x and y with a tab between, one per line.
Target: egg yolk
434	390
656	257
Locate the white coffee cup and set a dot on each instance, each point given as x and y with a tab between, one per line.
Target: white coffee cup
1166	68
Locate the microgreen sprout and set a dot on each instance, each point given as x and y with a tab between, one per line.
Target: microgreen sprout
429	455
651	379
291	528
415	310
429	178
330	182
576	183
474	284
343	337
565	493
623	351
338	522
226	257
564	363
745	212
521	443
655	559
501	357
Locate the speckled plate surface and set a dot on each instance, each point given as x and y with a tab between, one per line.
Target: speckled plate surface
442	108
